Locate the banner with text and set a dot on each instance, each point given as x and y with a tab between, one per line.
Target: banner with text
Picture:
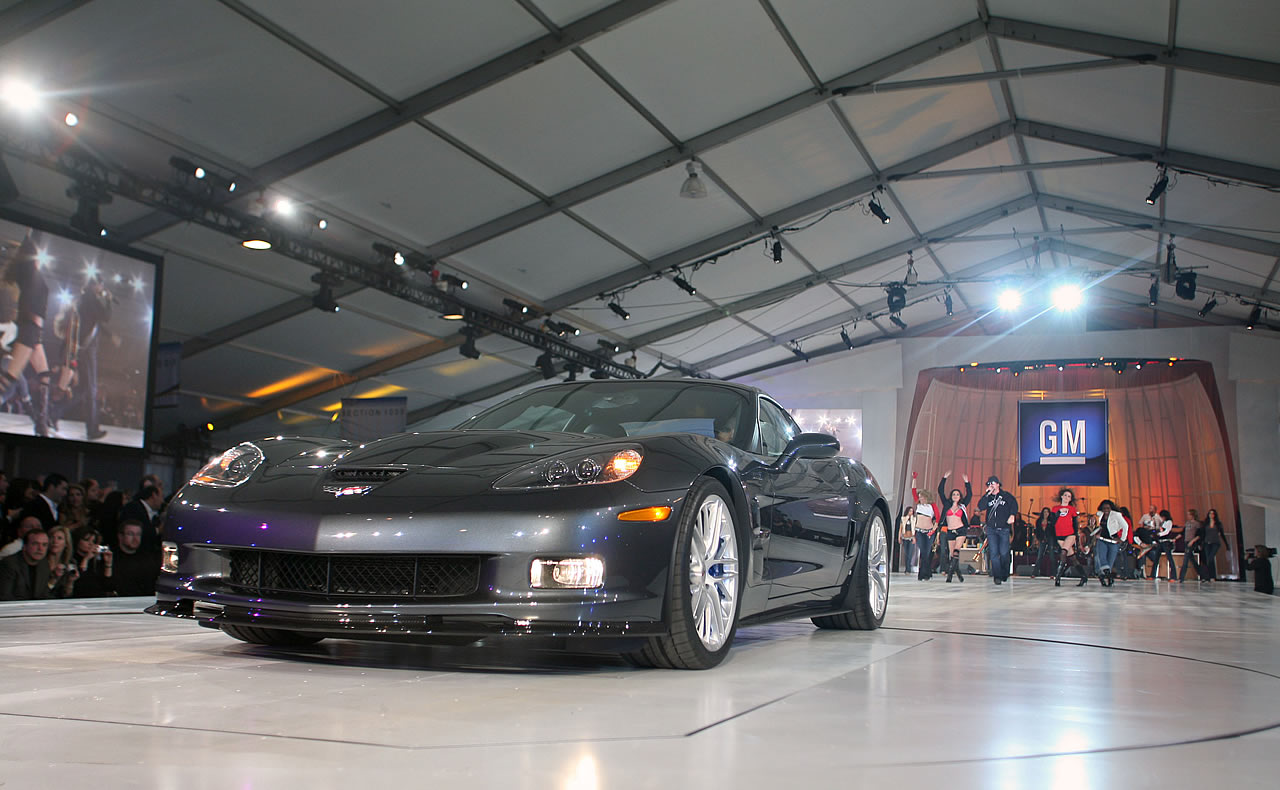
366	419
1062	442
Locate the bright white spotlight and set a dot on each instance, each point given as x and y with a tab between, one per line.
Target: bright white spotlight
21	96
71	119
1009	300
1067	297
284	207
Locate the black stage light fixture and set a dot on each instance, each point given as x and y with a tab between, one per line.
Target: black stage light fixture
455	281
947	301
1158	188
897	297
875	208
256	237
1255	317
1153	293
599	374
1185	285
547	365
323	300
88	199
573	371
684	284
8	187
898	322
561	328
1208	307
186	167
620	311
515	307
776	249
848	342
609	346
389	253
468	348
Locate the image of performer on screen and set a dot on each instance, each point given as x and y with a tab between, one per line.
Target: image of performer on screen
23	270
1001	509
83	328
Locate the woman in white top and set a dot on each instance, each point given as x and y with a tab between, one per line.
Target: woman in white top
925	527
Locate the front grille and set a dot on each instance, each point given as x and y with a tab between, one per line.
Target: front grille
402	576
360	475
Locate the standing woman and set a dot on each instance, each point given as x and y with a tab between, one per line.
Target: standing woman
1164	544
1191	545
1064	531
1213	540
954	522
907	536
1113	530
1045	539
33	303
925	527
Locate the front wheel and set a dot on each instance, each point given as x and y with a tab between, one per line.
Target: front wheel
704	590
867	591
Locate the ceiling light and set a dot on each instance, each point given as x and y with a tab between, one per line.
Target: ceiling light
453	315
898	322
20	95
684	284
1255	316
561	328
693	186
875	208
848	342
897	296
573	371
515	307
321	223
1153	293
256	238
454	280
1208	307
620	311
547	365
324	301
71	119
1185	285
1060	368
186	167
1158	188
1067	297
1009	300
468	348
609	346
283	206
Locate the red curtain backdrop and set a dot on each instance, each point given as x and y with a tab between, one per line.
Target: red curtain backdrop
1166	436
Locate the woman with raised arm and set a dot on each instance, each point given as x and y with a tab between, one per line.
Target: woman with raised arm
954	522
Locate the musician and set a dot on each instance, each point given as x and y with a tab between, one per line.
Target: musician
954	522
1001	509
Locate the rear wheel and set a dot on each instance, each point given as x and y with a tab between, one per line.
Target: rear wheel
273	637
867	591
704	590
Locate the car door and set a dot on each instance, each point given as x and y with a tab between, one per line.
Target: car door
806	513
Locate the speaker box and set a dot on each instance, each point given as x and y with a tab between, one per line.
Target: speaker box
1025	570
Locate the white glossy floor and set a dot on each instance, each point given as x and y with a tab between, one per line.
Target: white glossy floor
971	685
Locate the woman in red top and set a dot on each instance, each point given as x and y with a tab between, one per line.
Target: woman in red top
1064	529
954	522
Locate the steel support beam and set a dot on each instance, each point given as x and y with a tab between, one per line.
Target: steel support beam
261	320
1029	167
984	76
1263	71
1210	165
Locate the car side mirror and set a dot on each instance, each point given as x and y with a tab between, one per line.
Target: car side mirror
807	445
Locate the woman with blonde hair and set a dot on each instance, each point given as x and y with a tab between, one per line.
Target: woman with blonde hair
61	558
925	527
73	511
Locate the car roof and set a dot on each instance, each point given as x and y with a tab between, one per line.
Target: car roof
743	388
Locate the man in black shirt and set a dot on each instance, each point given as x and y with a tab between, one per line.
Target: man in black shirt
1002	511
135	570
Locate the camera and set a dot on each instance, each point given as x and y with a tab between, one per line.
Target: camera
1269	552
103	549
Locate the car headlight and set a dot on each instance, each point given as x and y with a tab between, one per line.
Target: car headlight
583	468
169	557
231	468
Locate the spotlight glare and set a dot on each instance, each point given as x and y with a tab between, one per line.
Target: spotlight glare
200	173
21	96
1067	297
322	224
283	207
1009	300
72	119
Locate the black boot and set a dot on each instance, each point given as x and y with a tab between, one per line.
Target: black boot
41	415
1057	575
1084	572
955	563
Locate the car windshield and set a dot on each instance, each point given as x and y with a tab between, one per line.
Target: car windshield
626	408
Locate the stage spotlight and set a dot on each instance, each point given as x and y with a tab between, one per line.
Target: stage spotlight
88	199
898	322
684	284
776	249
1158	188
873	205
71	119
1119	366
389	253
693	186
256	237
1208	307
946	301
608	346
561	328
547	365
455	281
1185	285
1153	293
1255	317
516	308
323	300
1067	297
1060	368
1009	300
897	297
468	348
620	311
848	342
21	96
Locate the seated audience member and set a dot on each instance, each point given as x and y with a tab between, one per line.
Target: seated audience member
15	499
25	576
1259	561
94	563
13	543
73	512
61	559
44	505
146	511
134	570
109	516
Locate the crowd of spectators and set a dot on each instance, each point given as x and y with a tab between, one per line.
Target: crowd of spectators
60	539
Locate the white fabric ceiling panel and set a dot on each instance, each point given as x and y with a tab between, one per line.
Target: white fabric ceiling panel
652	304
789	161
235	371
224	252
450	375
1242	210
571	127
708	341
846	236
814	304
959	256
649	216
936	202
1224	263
753	361
1215	25
899	125
1140	247
199	298
1069	220
1123	102
662	60
407	51
1145	20
546	258
838	36
345	339
1124	186
1231	119
398	312
186	65
563	12
413	183
746	273
48	190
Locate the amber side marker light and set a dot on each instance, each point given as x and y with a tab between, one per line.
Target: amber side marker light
646	514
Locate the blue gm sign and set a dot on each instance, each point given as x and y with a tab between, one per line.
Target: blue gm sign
1062	442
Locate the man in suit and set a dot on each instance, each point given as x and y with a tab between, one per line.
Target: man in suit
44	505
25	576
146	511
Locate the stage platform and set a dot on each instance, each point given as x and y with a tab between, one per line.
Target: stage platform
968	685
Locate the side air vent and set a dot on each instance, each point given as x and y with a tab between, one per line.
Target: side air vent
358	475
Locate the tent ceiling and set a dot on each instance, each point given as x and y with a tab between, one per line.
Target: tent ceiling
537	148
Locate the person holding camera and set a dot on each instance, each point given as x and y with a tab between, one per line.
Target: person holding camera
94	561
1258	560
1001	509
62	571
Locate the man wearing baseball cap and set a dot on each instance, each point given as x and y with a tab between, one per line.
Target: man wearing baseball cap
1002	510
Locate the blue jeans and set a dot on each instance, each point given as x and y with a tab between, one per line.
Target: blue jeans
998	552
924	551
1105	554
1163	547
1211	560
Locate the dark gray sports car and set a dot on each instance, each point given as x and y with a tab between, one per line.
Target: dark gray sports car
649	517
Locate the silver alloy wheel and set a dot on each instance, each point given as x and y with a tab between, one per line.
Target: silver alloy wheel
713	572
877	566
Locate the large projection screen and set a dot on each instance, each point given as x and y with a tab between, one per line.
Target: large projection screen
95	307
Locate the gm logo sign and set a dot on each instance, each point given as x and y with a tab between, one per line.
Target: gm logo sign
1063	443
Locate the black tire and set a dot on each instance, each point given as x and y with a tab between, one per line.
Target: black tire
861	614
272	637
682	647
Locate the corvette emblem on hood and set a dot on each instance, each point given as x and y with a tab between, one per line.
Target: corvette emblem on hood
347	490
